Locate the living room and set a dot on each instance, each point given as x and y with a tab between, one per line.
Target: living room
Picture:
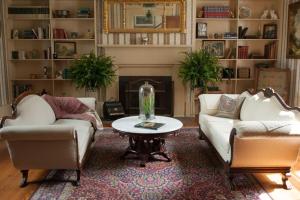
150	99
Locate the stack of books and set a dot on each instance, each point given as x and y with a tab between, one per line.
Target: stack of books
216	12
270	50
243	52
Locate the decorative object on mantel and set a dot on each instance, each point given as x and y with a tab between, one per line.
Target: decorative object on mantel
200	69
293	46
92	72
146	102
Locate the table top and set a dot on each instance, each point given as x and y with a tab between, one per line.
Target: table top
127	124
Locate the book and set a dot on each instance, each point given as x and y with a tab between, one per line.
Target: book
149	125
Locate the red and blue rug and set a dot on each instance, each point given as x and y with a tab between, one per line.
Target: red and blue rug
194	173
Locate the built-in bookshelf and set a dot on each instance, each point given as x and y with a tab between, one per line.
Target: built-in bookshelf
245	45
35	30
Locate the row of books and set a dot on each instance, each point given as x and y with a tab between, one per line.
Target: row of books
216	12
270	50
34	33
243	52
59	33
20	88
28	10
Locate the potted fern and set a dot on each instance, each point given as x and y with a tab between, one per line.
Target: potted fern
92	72
200	69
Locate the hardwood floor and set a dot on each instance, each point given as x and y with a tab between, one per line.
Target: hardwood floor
10	177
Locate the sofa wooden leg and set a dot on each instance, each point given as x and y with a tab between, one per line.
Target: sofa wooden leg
24	178
201	137
77	181
285	181
230	180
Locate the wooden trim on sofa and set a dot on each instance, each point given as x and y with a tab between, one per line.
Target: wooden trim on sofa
269	92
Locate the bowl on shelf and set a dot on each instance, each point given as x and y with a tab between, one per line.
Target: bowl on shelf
61	13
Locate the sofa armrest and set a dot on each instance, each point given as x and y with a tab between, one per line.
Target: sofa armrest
267	128
45	132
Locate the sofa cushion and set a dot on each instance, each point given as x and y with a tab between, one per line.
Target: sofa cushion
218	130
32	110
84	131
230	107
259	108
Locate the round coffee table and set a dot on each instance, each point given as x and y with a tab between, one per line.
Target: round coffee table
146	143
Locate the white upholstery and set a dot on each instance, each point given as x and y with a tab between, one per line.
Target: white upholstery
266	109
254	145
33	110
89	101
84	131
37	141
218	130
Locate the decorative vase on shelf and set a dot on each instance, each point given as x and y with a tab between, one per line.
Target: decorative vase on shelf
146	102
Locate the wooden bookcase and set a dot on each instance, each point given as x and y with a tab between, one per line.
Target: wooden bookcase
255	45
29	71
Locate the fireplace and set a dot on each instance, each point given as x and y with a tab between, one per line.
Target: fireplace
129	93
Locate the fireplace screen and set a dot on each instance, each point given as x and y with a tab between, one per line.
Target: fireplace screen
129	93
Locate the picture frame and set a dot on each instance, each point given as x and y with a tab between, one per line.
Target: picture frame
270	31
276	78
65	50
201	30
293	39
215	47
142	21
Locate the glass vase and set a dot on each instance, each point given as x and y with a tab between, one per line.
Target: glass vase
146	102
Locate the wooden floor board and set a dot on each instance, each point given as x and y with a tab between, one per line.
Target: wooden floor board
10	177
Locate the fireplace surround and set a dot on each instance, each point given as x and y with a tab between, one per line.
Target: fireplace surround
129	93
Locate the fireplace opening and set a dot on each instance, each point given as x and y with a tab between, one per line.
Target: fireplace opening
129	93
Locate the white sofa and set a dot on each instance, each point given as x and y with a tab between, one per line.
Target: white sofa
266	138
36	140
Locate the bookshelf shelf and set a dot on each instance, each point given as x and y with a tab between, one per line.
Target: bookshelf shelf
30	22
215	39
216	19
258	19
144	46
29	19
75	39
30	40
26	60
73	18
28	79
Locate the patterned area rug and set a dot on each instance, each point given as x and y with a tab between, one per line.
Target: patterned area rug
194	173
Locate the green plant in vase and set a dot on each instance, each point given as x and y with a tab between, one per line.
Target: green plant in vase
200	69
148	104
92	72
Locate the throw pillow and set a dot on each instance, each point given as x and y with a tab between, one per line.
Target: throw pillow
229	107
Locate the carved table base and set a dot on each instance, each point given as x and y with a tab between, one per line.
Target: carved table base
146	149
